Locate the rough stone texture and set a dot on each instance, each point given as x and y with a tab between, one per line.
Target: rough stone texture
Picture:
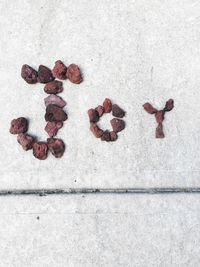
59	70
26	141
54	113
100	110
53	87
52	128
29	74
54	100
149	108
117	111
40	150
113	136
19	125
44	74
117	125
56	147
107	104
106	136
93	115
169	105
159	131
74	74
96	130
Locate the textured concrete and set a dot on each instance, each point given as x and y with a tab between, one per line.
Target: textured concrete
130	51
95	231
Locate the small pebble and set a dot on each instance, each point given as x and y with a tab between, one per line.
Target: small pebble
106	136
159	131
26	141
100	110
54	113
160	116
60	70
40	150
54	100
113	136
29	74
53	87
117	111
56	146
149	108
93	115
74	74
19	125
96	130
169	105
44	74
117	125
107	104
53	127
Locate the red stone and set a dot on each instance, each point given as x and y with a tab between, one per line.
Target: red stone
117	111
149	108
60	70
54	100
54	113
159	131
100	110
117	125
29	74
26	141
93	115
40	150
113	136
106	136
160	116
74	74
53	127
169	105
53	87
96	130
19	125
107	104
44	74
56	146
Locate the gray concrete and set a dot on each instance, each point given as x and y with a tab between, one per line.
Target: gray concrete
106	230
130	51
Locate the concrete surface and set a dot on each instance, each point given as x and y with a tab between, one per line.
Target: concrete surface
130	51
100	230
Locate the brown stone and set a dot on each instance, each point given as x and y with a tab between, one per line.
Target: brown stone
54	100
29	74
117	111
26	141
44	74
107	104
117	125
96	130
100	110
159	131
54	87
19	125
40	150
169	105
56	146
106	136
160	116
74	74
149	108
93	115
54	113
53	127
113	136
60	70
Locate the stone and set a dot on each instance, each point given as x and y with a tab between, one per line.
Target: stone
29	74
44	74
54	100
117	111
60	70
107	104
160	116
159	131
26	141
74	74
96	130
40	150
106	136
53	87
56	147
149	108
169	105
54	113
93	115
19	125
52	128
117	125
113	136
100	110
